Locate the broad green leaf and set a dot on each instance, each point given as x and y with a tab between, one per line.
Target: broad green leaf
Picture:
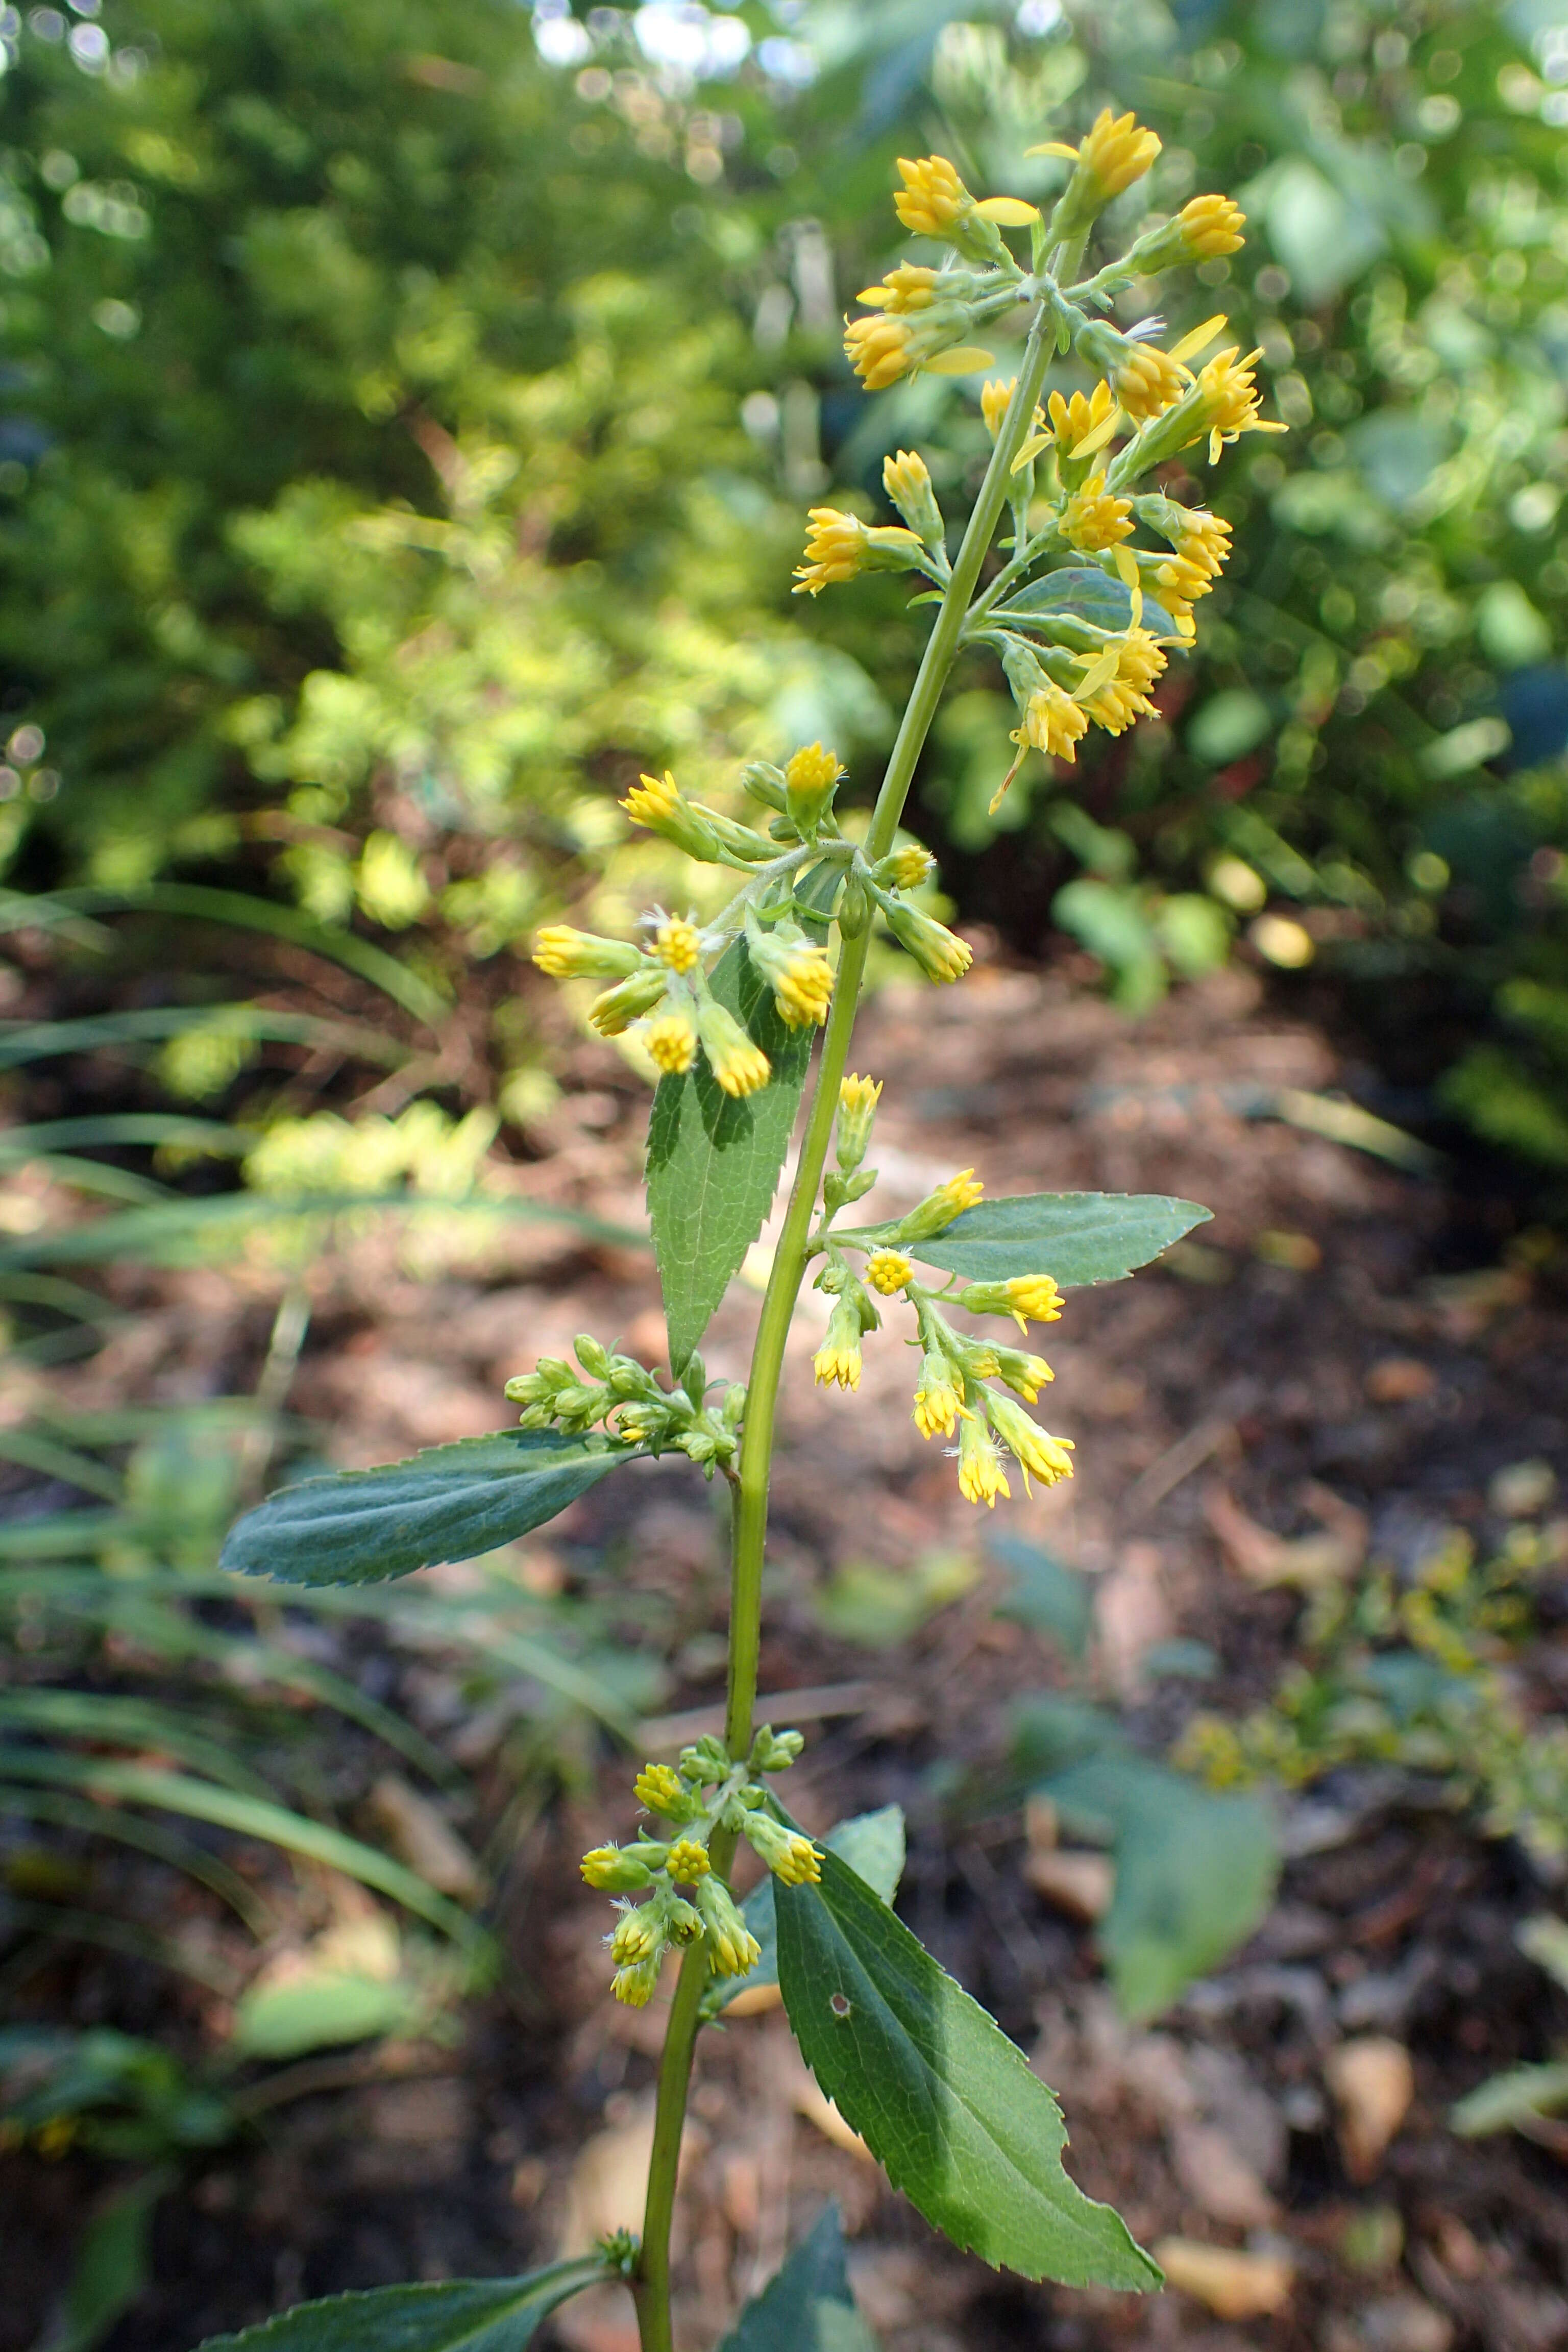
446	2316
1195	1869
873	1846
328	2006
1089	594
1521	2096
714	1163
806	2307
1044	1592
938	2092
451	1502
1079	1237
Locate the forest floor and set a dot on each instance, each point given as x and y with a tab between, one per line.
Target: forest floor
1344	1368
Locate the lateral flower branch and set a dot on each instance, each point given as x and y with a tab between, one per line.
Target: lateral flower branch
1077	570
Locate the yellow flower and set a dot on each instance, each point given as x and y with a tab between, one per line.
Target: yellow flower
932	197
811	773
959	1192
671	1042
1149	381
941	953
636	1985
1118	700
839	1357
617	1008
1027	1374
887	1272
858	1100
636	1938
613	1872
798	1864
740	1067
937	1398
1092	519
688	1861
1117	151
1204	542
980	1478
566	954
662	1791
1229	400
878	349
1040	1455
1053	722
1211	227
838	546
911	286
679	944
1032	1297
906	868
906	477
803	985
653	800
731	1945
1072	421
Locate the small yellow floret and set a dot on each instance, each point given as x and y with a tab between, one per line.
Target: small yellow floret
1072	421
1212	227
1123	697
555	951
932	197
959	1193
636	1985
802	990
1092	519
687	1862
838	1361
600	1867
1053	722
670	1042
936	1399
662	1791
1149	381
905	475
636	1938
859	1098
740	1067
1117	151
798	1864
911	286
812	770
1035	1297
878	349
887	1272
980	1478
679	944
652	799
1231	399
835	549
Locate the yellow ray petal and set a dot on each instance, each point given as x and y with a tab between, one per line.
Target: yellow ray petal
1103	671
1008	212
1199	337
1054	147
961	362
1031	448
1106	430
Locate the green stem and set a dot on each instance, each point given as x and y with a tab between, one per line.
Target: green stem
790	1259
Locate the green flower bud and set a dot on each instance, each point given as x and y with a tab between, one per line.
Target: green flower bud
775	1751
733	1947
765	783
706	1760
854	908
593	1358
614	1871
941	953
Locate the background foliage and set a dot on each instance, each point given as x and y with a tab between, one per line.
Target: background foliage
409	417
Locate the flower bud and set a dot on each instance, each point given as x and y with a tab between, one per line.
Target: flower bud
1032	1297
566	954
904	868
614	1871
854	908
941	953
839	545
937	1211
707	1759
740	1067
937	1398
594	1356
838	1191
775	1751
795	968
669	1043
688	1861
811	780
858	1100
733	1947
980	1478
662	1792
907	480
1040	1454
694	1378
765	783
639	1936
617	1008
887	1272
790	1857
638	1983
839	1357
658	803
1207	228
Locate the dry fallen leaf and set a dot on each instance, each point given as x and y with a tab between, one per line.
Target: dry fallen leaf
1372	2084
1233	2285
1400	1380
1307	1561
1218	2178
1080	1884
421	1836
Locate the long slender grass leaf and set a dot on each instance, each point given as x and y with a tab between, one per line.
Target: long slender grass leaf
36	1041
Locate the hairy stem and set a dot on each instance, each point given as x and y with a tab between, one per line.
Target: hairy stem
790	1259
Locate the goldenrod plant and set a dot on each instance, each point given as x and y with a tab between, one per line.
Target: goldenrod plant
1084	595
